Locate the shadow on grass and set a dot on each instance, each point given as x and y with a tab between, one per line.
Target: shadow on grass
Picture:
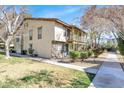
78	82
91	76
81	82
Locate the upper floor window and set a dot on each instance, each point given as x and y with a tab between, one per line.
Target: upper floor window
68	32
25	25
39	32
80	34
17	39
30	34
65	33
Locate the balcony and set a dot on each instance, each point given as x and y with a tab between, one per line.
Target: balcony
74	35
76	38
69	38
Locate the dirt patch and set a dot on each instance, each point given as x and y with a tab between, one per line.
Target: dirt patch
91	62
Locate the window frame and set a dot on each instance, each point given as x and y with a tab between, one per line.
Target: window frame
17	39
25	25
39	32
30	46
30	34
65	32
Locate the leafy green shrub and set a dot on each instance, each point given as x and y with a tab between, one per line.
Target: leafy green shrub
96	52
121	48
121	45
74	54
30	51
83	55
24	52
13	51
90	52
2	53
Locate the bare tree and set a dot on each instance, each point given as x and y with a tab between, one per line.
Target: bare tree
10	20
96	29
115	14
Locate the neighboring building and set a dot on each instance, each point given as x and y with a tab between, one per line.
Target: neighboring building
49	37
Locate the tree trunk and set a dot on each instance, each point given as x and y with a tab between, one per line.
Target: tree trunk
91	41
7	49
7	44
99	39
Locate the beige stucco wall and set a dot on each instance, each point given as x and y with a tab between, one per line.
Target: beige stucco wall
50	31
41	46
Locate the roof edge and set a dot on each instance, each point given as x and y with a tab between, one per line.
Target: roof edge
55	20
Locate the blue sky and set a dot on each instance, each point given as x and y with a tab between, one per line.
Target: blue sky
67	13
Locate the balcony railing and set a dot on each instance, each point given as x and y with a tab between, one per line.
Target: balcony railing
75	38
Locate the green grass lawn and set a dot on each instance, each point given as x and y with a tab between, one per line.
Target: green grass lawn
21	72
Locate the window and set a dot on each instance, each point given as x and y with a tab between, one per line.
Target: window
68	32
25	25
79	34
30	34
76	47
79	37
17	39
30	46
65	32
64	48
71	46
39	32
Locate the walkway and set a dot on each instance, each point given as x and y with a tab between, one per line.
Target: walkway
110	74
80	68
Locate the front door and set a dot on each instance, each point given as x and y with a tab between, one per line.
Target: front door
65	49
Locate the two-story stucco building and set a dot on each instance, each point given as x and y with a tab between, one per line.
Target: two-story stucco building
48	37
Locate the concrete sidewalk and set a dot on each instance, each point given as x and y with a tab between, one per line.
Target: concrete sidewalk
110	74
80	68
